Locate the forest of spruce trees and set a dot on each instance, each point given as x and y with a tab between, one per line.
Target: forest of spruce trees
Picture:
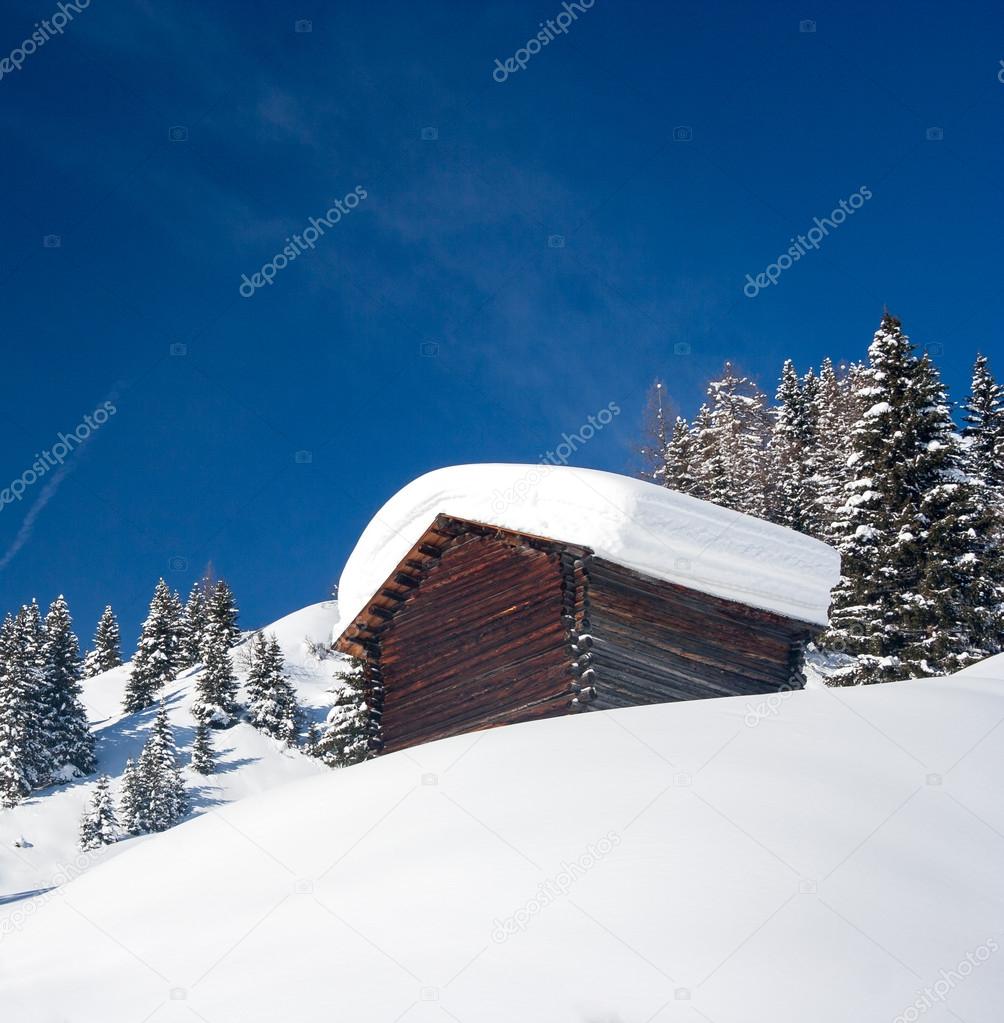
869	458
45	738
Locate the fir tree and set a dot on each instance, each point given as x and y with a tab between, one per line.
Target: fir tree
791	501
194	624
20	727
311	739
216	690
99	825
984	429
68	736
132	805
732	438
106	653
352	732
203	754
826	470
221	616
157	658
153	792
654	447
272	703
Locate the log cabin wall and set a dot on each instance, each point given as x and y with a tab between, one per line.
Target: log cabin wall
650	641
480	642
480	626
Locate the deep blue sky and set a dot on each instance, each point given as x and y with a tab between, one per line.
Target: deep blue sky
450	248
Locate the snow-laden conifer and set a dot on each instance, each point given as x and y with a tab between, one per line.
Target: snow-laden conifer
106	652
99	825
157	659
272	703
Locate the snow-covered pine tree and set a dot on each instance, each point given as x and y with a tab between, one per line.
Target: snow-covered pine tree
681	457
868	617
954	608
983	414
983	441
731	440
68	736
311	739
194	624
163	795
272	703
203	754
221	615
826	469
157	659
790	493
107	652
20	732
216	691
133	803
99	826
352	730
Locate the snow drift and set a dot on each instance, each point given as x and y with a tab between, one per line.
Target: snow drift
828	855
644	527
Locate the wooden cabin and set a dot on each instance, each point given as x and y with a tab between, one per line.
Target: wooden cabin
481	626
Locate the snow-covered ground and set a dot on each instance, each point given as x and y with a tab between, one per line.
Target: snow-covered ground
648	528
824	855
38	839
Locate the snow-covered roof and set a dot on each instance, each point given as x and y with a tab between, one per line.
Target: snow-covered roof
644	527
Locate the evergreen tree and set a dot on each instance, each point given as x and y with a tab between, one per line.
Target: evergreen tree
953	611
826	470
216	699
106	653
272	703
194	624
221	616
732	440
656	440
312	739
132	805
984	429
68	736
203	754
352	731
20	726
99	825
157	658
791	500
153	792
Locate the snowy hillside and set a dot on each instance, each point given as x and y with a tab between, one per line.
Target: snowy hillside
45	826
825	855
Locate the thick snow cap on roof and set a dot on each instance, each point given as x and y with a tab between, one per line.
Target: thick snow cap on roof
637	524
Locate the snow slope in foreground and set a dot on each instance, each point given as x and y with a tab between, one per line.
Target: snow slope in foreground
249	762
822	855
648	528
